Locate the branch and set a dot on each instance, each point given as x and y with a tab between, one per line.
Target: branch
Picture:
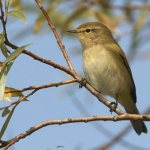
43	86
73	120
3	20
102	99
20	100
35	88
119	137
48	62
50	23
113	139
36	57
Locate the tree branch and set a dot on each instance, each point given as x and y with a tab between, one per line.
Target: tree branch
113	138
20	100
50	23
119	137
36	57
43	86
73	120
36	88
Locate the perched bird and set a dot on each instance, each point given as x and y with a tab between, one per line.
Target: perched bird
106	67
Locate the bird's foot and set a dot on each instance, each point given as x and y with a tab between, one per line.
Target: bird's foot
113	105
82	82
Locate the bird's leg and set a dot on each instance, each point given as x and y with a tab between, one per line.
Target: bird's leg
114	104
82	82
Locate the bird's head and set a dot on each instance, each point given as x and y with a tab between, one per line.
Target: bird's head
92	33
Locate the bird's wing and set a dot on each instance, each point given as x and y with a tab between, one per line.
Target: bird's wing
122	58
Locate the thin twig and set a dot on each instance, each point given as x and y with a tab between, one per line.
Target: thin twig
118	138
3	20
43	86
50	23
102	99
72	120
49	62
35	88
20	100
36	57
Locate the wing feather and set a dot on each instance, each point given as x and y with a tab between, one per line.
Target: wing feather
122	58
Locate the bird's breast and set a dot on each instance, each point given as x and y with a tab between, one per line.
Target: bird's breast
101	70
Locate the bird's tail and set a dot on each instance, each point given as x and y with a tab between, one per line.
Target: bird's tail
138	125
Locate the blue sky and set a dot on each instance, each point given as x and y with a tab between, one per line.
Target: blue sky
57	103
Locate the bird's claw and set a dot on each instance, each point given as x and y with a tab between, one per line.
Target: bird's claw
114	105
82	82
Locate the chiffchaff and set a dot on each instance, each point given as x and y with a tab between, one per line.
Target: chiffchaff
106	67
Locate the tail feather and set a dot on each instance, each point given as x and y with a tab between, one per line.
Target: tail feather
138	125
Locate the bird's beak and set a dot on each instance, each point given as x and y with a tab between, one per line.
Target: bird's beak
72	31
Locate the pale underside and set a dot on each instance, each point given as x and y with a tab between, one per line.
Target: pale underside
101	71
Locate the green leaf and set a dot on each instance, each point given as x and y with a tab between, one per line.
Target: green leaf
4	127
18	14
14	54
4	50
3	76
8	93
5	112
6	67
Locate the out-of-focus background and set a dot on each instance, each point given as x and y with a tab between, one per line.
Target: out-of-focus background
129	21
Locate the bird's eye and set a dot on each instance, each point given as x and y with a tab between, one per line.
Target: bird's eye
88	30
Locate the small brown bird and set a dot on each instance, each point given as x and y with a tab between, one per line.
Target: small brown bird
107	69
